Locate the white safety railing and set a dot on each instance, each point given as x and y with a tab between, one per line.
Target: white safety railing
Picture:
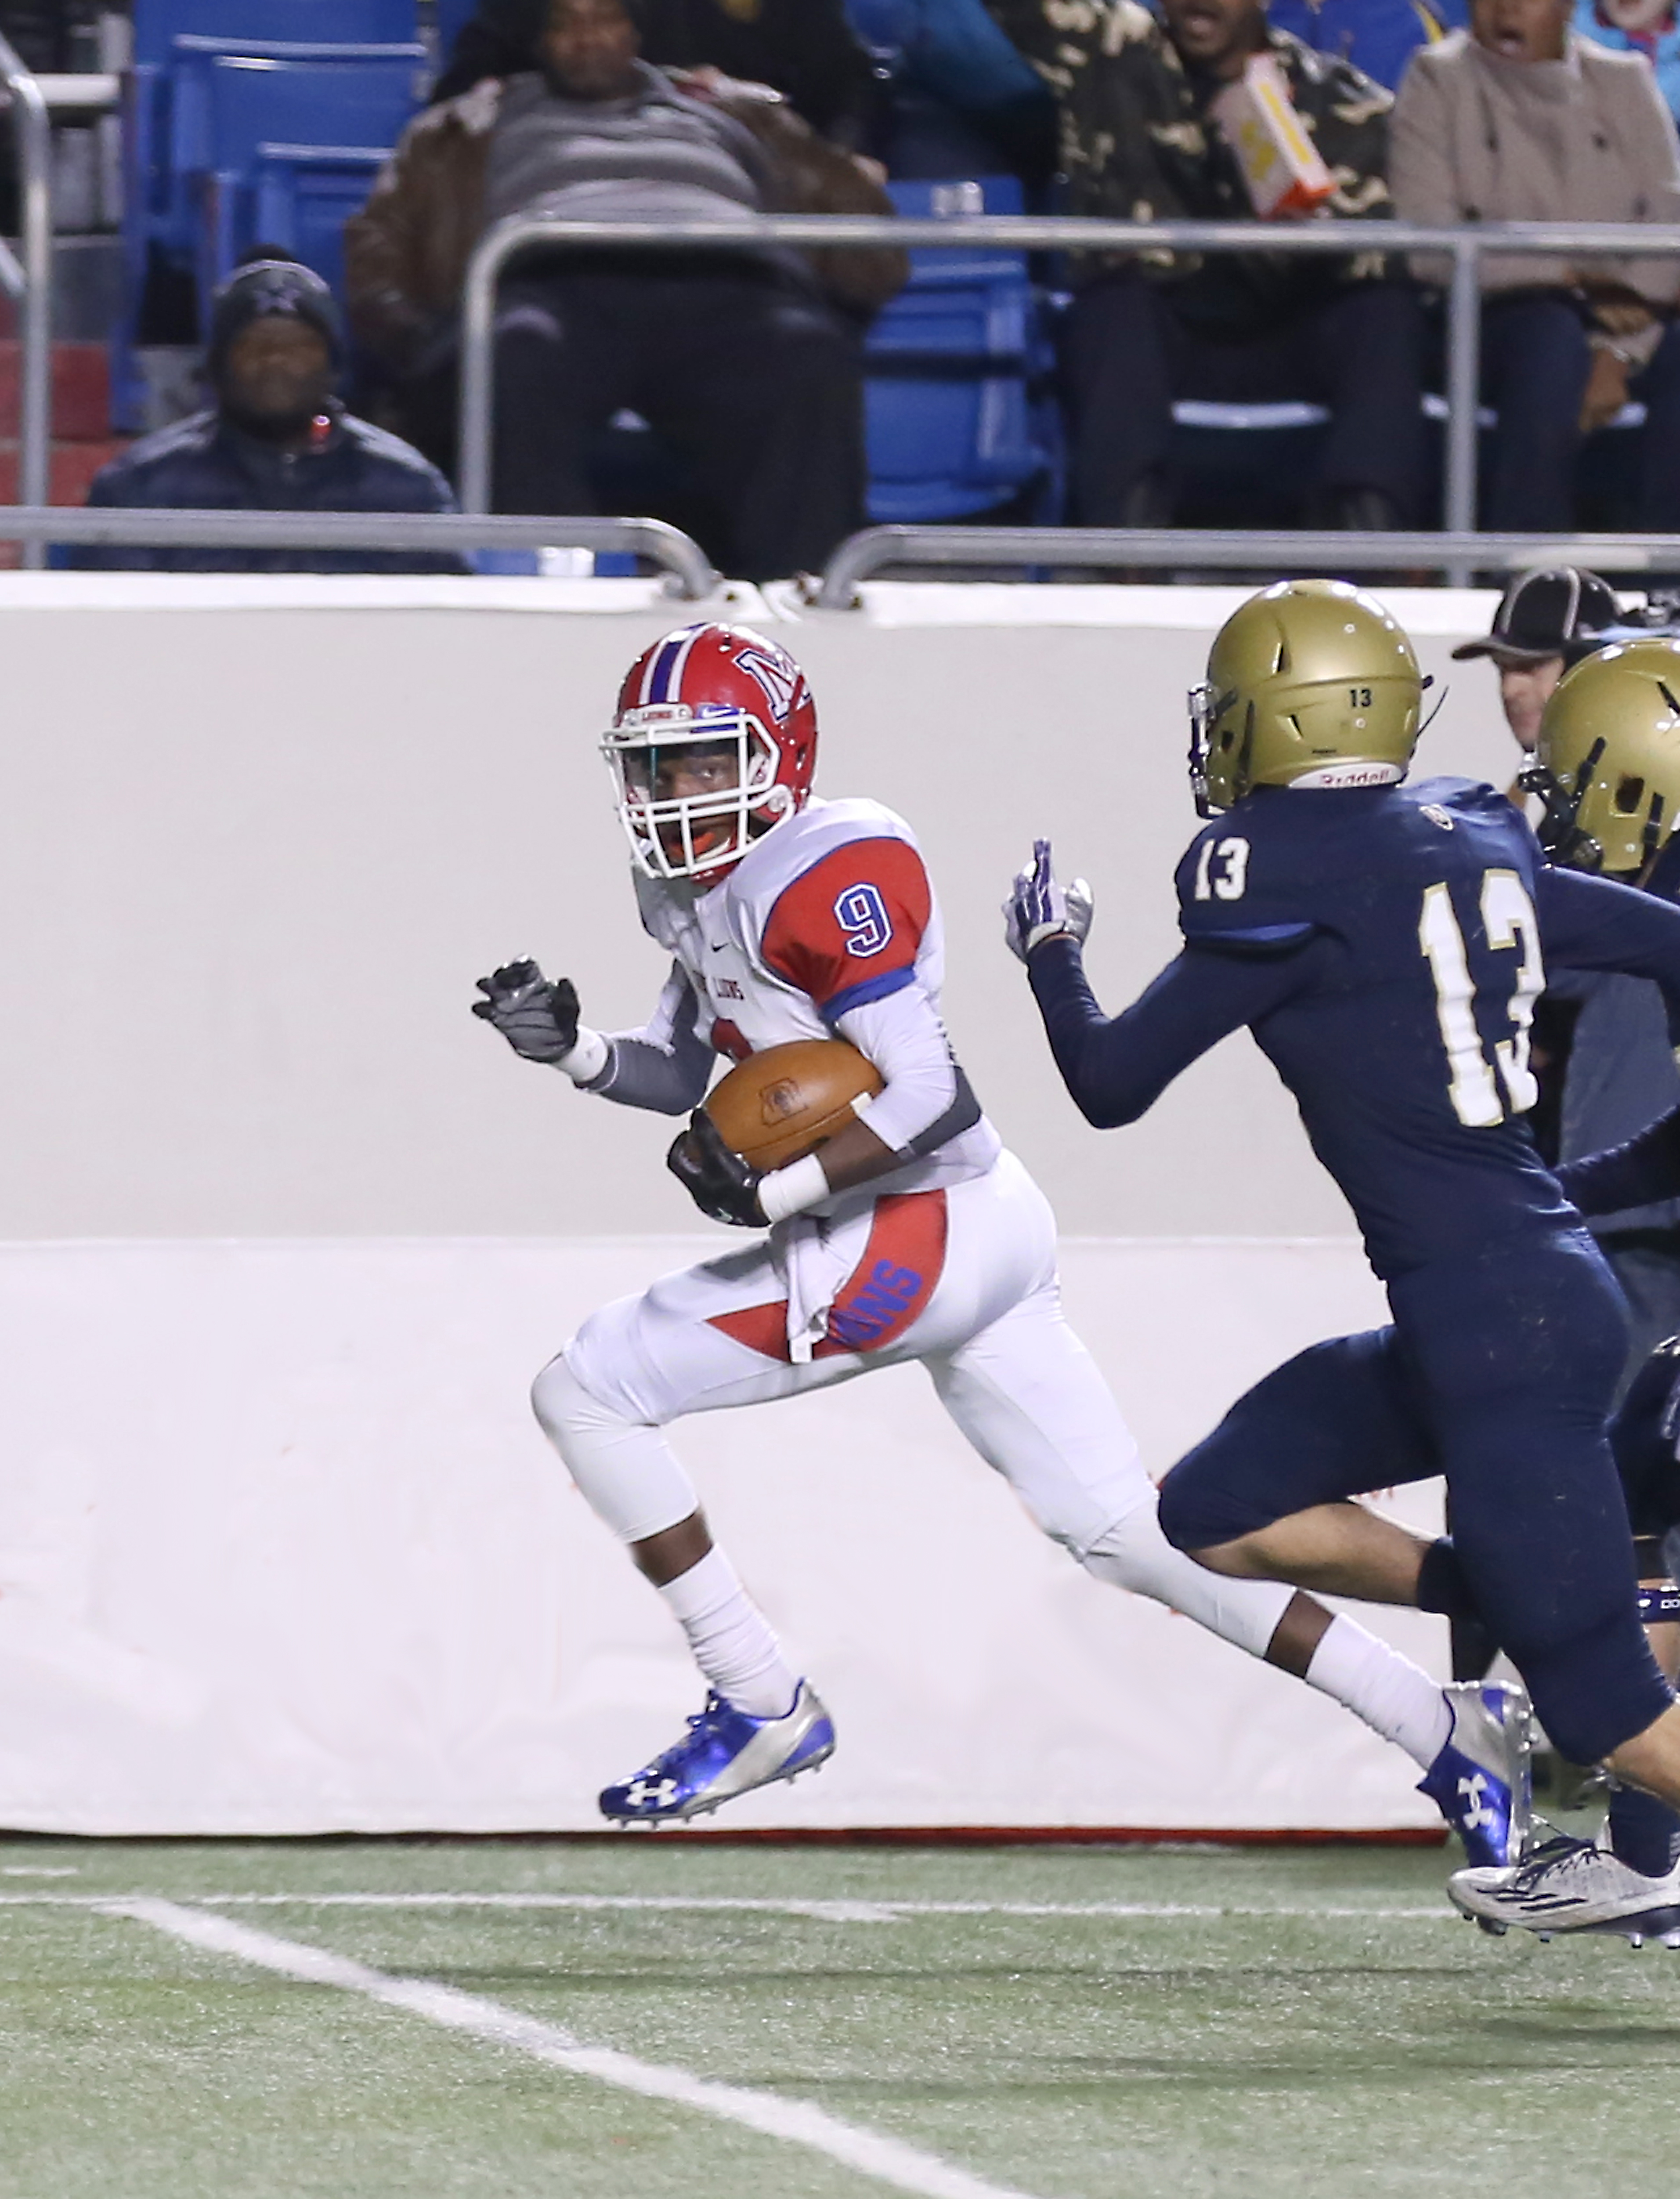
1459	557
1465	247
37	526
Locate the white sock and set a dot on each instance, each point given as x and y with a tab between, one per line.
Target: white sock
1393	1696
730	1638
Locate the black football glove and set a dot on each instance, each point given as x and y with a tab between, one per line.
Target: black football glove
538	1020
720	1183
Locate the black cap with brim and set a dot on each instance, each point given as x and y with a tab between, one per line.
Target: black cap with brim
1547	614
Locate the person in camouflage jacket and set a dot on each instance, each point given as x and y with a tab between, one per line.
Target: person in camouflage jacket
1133	91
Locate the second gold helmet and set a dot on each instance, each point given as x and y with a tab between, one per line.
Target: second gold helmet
1607	761
1308	677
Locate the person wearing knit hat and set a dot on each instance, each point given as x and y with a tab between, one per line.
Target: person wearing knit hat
275	438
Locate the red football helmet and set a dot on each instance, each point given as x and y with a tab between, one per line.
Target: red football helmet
715	741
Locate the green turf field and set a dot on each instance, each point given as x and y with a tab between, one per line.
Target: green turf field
647	2018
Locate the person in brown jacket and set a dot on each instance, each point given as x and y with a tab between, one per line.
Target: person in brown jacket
1521	120
749	364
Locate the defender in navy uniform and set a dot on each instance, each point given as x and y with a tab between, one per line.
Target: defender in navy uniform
1608	766
1385	945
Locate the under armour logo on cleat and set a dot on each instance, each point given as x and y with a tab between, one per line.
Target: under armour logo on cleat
660	1793
1476	1815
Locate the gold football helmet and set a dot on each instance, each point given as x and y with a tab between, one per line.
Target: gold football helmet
1308	679
1607	762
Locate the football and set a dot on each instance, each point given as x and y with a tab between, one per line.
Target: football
780	1105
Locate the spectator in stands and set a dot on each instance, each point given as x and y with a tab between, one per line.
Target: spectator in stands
1521	120
1138	144
1644	26
277	439
1377	36
748	363
806	50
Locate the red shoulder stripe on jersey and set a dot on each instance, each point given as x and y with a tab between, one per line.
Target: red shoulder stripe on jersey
886	1291
853	919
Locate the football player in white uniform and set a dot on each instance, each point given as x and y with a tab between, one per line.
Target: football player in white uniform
912	1234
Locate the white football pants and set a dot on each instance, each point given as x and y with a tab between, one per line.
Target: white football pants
963	1279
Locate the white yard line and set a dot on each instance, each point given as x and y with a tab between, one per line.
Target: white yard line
828	1912
831	1912
797	2122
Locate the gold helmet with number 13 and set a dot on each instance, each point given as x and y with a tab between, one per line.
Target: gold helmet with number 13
1309	683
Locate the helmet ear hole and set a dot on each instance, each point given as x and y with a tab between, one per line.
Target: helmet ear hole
1630	793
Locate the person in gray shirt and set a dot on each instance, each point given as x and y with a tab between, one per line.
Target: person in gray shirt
748	363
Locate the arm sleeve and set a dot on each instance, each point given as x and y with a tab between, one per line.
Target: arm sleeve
1638	1174
926	1100
665	1066
1593	924
1420	171
1115	1068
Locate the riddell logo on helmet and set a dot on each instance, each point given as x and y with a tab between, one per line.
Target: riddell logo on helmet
1362	771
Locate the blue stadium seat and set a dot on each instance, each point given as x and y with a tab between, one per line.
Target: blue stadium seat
303	195
953	422
345	105
158	23
160	224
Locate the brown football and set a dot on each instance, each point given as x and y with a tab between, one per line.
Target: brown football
780	1105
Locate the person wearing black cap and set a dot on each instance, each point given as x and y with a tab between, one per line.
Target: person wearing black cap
1545	622
277	439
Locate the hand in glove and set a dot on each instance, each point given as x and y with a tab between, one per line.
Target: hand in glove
1038	908
538	1020
720	1183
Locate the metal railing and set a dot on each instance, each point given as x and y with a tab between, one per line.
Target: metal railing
1465	247
1459	556
674	552
27	276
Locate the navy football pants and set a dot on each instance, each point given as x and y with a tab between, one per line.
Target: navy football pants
1498	1373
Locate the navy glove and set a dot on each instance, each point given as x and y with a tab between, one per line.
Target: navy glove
538	1020
723	1186
1038	908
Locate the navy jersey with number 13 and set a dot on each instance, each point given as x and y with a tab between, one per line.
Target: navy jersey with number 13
1386	947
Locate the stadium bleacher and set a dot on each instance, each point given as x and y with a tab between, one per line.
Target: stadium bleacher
237	107
958	364
250	123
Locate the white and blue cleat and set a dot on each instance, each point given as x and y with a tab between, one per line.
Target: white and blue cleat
724	1753
1480	1781
1572	1886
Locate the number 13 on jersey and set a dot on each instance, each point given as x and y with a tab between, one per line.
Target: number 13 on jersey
1508	921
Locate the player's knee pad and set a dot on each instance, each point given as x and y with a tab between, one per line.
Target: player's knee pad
1133	1554
1596	1690
625	1470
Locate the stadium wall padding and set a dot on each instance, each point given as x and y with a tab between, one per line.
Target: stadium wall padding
284	1234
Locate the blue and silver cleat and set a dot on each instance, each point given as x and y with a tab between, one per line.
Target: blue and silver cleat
724	1753
1480	1781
